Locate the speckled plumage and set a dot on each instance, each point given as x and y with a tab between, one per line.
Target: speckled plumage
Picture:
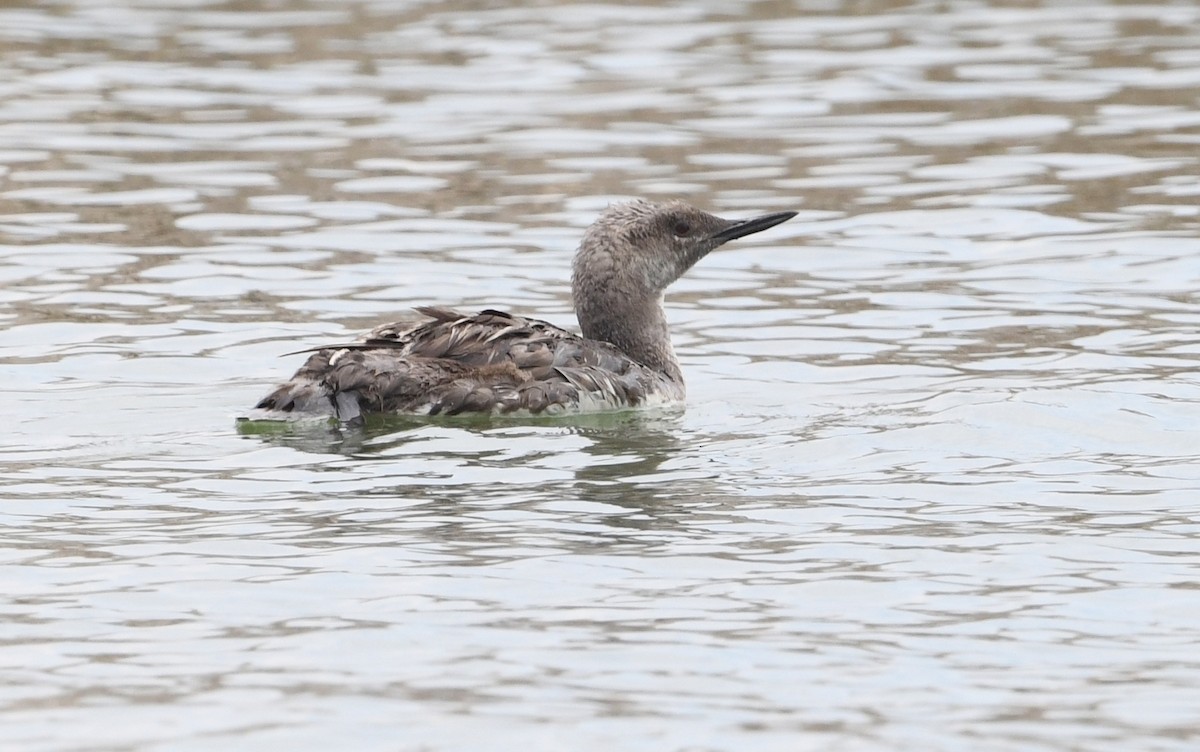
496	362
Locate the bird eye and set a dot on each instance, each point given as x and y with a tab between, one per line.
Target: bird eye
681	229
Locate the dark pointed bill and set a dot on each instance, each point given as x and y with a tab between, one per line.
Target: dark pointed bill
740	228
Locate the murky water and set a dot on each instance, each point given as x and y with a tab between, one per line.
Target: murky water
937	484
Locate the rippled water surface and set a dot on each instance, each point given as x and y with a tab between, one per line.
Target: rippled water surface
936	487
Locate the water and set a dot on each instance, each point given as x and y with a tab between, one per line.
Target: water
936	485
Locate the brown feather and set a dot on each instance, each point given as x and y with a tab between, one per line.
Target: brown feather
451	363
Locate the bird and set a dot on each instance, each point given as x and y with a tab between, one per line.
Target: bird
499	363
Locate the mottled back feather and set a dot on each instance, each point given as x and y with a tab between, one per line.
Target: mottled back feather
451	363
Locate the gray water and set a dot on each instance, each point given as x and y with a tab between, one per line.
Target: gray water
936	486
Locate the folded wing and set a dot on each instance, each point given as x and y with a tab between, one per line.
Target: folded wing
451	363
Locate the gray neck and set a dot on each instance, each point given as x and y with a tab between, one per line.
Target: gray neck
637	327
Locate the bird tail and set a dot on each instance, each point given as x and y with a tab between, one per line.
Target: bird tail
304	399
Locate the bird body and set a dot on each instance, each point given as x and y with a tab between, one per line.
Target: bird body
495	362
452	363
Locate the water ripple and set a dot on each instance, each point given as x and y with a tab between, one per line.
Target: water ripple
937	462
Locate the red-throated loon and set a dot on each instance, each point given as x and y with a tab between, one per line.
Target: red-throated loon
499	363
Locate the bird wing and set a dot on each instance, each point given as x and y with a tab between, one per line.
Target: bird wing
452	363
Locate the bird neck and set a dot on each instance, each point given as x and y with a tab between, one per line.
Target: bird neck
637	327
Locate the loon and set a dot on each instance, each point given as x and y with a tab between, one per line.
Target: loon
493	362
